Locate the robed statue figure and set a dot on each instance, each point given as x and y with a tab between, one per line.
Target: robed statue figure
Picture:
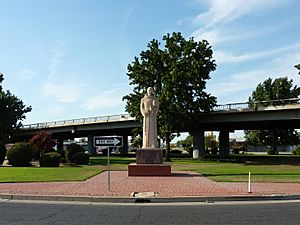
149	110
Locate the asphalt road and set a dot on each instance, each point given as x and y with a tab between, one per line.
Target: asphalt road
38	213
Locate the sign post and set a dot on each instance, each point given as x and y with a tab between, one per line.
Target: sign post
108	141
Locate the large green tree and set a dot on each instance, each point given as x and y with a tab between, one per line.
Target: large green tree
12	112
178	74
277	89
298	67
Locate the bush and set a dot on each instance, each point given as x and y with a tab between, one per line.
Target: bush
50	159
2	154
20	154
236	151
272	152
176	151
41	143
214	150
81	158
296	151
72	149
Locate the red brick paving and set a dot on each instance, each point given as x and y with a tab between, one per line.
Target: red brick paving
180	184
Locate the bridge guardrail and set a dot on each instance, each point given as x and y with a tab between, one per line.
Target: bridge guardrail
89	120
258	105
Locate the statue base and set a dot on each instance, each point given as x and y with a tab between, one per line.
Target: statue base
149	162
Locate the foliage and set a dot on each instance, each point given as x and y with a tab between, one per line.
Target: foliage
81	158
186	143
272	151
41	143
298	67
280	88
137	141
176	151
19	154
178	74
12	111
72	149
2	153
50	159
296	151
211	144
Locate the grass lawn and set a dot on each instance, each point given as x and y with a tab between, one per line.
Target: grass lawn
238	172
261	170
34	174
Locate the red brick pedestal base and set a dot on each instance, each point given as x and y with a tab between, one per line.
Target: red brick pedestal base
149	169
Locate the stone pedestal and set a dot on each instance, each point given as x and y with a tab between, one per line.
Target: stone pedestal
149	162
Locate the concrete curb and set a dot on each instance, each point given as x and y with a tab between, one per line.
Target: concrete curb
148	200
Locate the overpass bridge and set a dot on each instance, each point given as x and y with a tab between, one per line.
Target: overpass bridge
276	114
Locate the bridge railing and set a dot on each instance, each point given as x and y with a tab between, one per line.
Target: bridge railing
258	105
81	121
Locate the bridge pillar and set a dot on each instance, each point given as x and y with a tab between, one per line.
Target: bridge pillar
60	146
91	148
198	142
124	148
224	143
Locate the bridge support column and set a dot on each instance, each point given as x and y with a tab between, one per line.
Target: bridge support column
224	143
91	148
124	148
198	142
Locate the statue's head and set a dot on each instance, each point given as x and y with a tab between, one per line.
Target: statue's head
150	91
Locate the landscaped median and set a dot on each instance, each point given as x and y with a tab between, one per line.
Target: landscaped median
261	170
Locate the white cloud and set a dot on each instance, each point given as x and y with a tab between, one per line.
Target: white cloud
107	99
224	11
60	49
26	74
226	57
217	24
64	93
280	66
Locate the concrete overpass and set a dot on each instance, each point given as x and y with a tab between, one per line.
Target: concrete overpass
224	118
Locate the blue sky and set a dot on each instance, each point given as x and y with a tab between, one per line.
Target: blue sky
68	58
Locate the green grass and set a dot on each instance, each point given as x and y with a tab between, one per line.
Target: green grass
239	172
263	169
33	174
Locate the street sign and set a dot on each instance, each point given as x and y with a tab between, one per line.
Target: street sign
108	141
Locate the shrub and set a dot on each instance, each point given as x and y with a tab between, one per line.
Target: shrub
81	158
176	151
214	150
2	154
50	159
272	152
41	143
190	150
72	149
236	151
19	154
296	151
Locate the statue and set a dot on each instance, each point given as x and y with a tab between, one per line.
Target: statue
149	109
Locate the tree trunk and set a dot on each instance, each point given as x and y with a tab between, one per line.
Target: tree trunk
168	149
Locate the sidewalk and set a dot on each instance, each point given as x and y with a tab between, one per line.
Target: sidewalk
179	185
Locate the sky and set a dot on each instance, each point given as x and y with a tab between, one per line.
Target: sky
68	58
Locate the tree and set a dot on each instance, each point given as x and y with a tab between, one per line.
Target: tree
298	67
42	143
178	74
211	144
280	88
12	111
185	143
